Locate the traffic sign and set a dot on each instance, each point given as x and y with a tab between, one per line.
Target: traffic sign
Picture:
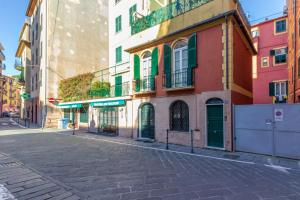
51	100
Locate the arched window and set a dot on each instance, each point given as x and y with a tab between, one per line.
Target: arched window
214	101
180	64
179	116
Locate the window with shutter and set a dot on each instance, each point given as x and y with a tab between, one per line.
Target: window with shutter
271	89
119	54
167	66
192	48
118	86
132	10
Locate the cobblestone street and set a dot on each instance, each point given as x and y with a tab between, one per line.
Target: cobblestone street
100	169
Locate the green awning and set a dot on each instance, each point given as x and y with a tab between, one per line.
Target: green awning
74	105
111	103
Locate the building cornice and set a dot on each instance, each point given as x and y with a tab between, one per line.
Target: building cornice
21	46
213	20
30	7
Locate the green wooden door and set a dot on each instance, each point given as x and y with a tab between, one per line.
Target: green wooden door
147	121
215	126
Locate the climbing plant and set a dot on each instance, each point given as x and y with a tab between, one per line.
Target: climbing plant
100	89
75	88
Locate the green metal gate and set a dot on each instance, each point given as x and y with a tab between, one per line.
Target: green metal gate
147	121
215	126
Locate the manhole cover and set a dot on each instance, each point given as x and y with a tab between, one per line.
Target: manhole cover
231	156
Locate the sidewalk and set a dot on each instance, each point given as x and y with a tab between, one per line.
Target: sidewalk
256	159
20	182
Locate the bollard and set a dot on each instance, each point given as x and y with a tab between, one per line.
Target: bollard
73	128
167	147
192	141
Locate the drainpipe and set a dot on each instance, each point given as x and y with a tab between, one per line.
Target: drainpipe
227	53
295	52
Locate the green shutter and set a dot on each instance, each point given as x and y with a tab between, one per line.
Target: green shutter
131	11
271	89
192	49
118	86
118	22
154	63
137	73
272	53
287	88
119	54
167	66
190	81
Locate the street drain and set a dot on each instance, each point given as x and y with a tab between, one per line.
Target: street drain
229	156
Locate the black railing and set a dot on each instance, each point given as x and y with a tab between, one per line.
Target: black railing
147	84
179	79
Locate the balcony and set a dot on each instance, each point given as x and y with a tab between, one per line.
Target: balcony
145	85
179	80
176	8
172	10
112	91
19	65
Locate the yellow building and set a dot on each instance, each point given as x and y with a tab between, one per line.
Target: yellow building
11	95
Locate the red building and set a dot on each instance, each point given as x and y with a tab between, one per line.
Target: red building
270	66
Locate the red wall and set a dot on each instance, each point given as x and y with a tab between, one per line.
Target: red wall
208	74
267	41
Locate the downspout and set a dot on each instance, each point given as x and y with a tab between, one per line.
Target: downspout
227	54
295	52
46	67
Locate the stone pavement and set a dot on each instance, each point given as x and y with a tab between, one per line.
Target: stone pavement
103	168
20	182
271	161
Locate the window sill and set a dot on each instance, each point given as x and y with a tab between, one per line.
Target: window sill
145	92
180	88
179	132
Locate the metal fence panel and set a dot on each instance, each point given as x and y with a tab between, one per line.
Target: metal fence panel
259	130
253	129
287	131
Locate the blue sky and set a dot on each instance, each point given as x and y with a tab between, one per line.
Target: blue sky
12	17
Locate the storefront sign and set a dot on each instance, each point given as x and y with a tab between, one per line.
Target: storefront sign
77	105
109	103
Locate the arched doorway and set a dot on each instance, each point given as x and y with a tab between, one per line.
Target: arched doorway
215	123
147	121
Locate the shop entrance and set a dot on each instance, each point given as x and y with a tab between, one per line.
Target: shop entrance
108	120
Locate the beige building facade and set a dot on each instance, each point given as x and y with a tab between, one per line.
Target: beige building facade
67	38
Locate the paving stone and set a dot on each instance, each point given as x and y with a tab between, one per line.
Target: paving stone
98	169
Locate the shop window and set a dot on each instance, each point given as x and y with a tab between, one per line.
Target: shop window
179	116
84	117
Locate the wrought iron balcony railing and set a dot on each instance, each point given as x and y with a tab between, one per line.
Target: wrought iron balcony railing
172	10
179	79
147	84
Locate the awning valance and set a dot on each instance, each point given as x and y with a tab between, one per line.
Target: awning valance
74	105
111	103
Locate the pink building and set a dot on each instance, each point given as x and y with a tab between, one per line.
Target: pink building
270	67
